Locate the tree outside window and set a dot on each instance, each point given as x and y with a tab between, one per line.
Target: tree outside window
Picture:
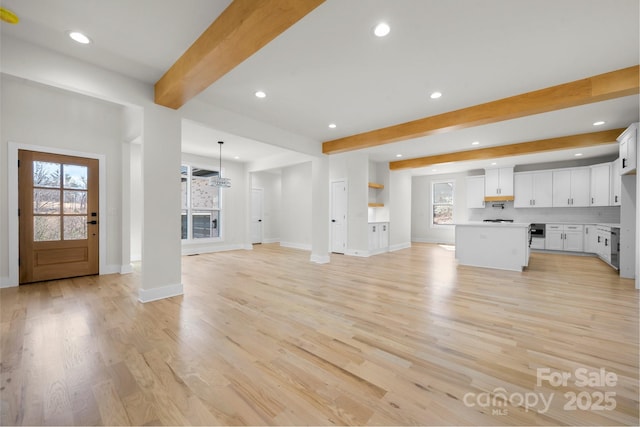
442	202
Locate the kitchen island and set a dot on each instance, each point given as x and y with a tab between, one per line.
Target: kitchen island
503	245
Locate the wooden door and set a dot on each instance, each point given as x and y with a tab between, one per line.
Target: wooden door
58	200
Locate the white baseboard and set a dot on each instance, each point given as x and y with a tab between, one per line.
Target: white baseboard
126	269
5	282
272	240
111	269
154	294
189	250
302	246
399	246
320	259
362	254
136	257
423	240
248	247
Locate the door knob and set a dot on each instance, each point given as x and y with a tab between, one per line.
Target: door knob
94	222
333	220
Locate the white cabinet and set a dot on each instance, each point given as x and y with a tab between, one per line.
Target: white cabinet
498	183
600	185
571	187
616	183
628	149
475	192
562	237
378	237
591	239
533	189
604	243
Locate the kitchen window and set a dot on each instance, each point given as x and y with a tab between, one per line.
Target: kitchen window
200	204
442	203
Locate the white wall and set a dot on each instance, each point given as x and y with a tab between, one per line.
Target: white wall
296	207
233	235
400	184
136	208
271	184
40	115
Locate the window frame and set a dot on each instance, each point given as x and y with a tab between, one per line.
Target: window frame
432	203
190	210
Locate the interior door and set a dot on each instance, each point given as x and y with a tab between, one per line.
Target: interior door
58	216
338	217
257	202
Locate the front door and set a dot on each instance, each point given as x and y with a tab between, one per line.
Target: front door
58	200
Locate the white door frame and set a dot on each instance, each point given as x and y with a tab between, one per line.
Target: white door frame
12	193
346	220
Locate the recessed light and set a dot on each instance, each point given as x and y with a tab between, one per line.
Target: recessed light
493	164
398	155
578	154
434	170
435	95
261	94
79	37
598	123
382	29
236	157
332	125
475	143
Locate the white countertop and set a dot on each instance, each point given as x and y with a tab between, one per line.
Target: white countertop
494	224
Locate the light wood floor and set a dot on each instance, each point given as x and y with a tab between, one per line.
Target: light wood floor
265	337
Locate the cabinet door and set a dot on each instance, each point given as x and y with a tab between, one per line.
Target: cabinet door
628	147
561	188
616	183
600	185
573	240
523	190
492	182
506	181
475	192
374	240
542	189
580	187
384	235
554	238
590	239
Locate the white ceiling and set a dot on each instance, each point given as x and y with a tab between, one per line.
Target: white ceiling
330	68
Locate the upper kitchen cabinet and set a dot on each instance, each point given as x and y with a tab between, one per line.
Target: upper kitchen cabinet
533	189
498	184
475	192
571	187
600	185
628	149
616	183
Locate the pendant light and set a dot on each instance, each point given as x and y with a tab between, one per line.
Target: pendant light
219	181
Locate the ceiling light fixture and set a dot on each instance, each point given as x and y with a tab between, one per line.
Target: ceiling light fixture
79	37
398	155
219	181
578	154
332	125
382	29
435	95
493	164
260	94
475	143
598	123
236	157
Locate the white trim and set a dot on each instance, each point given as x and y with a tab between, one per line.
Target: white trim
5	283
400	246
362	254
154	294
194	250
111	269
320	259
302	246
247	247
12	190
427	240
126	269
272	240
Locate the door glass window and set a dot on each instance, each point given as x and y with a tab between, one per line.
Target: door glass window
59	205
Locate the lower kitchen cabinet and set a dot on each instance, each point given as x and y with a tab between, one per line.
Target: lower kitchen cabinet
591	238
563	237
378	237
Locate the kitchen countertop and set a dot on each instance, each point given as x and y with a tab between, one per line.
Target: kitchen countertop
493	224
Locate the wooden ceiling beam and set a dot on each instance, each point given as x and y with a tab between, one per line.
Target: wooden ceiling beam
531	147
242	29
614	84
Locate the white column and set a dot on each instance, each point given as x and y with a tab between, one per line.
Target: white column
161	255
320	215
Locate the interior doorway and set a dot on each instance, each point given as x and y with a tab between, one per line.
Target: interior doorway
257	213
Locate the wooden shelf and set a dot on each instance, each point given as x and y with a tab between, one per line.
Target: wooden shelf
374	185
376	205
